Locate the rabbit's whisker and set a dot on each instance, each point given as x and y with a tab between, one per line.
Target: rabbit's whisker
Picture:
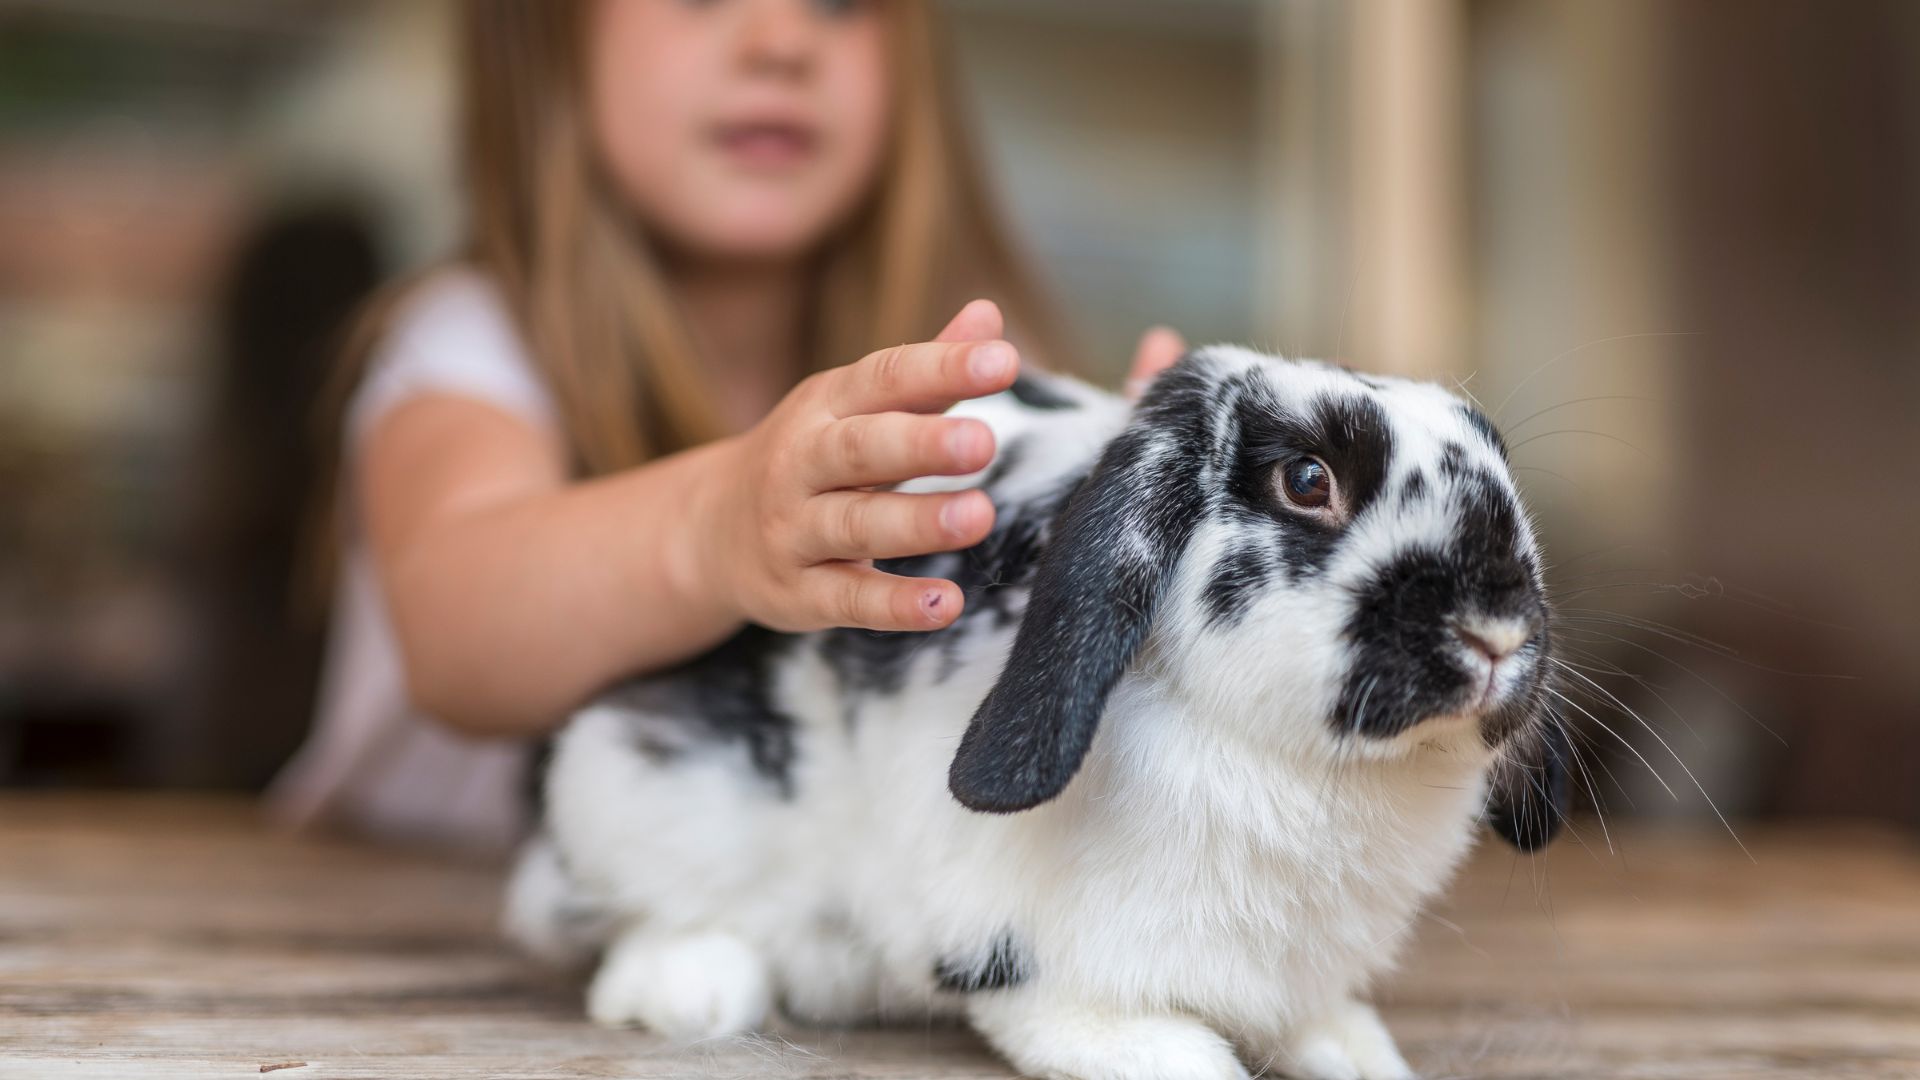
1515	447
1522	422
1569	481
1599	758
1634	750
1712	589
1615	549
1674	633
1677	759
1691	673
1597	665
1577	350
1586	776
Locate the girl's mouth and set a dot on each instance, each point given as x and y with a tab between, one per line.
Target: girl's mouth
766	144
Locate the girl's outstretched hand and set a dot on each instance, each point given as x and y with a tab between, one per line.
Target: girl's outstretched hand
787	531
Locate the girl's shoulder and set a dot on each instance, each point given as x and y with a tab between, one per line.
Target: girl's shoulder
454	299
452	332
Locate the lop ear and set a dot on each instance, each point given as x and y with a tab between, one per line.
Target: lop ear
1531	793
1094	593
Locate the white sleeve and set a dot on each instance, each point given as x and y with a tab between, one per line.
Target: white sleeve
453	336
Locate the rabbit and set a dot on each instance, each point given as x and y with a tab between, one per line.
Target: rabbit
1240	671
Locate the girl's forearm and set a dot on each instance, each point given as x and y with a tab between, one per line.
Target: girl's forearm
512	612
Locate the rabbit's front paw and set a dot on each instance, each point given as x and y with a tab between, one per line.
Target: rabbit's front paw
1347	1042
689	987
1060	1041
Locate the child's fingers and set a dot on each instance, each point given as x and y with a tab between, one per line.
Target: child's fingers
925	378
848	594
888	525
979	321
885	448
1158	350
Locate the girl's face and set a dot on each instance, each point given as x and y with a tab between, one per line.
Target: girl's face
740	129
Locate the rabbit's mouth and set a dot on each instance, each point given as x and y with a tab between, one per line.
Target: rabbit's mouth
1515	690
1434	639
1499	656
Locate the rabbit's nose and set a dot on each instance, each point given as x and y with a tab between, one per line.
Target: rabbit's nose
1495	638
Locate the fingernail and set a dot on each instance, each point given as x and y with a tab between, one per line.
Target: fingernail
964	442
990	361
954	515
934	603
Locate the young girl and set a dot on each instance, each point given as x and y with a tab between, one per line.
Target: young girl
612	432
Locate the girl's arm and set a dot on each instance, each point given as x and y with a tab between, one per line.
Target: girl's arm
515	594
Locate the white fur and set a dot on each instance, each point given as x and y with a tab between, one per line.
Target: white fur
1219	884
687	987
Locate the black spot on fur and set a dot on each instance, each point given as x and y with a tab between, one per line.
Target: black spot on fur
1002	966
1009	457
656	749
724	698
1235	579
1489	528
533	781
1532	793
1351	434
1467	476
1036	392
1414	488
1407	665
991	570
871	660
1359	445
1478	420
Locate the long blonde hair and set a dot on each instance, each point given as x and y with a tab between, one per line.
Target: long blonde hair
593	302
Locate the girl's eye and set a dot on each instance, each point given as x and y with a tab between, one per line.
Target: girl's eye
1307	483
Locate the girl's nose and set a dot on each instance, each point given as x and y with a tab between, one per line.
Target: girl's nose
779	36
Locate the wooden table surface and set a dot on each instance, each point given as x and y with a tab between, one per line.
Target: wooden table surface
148	937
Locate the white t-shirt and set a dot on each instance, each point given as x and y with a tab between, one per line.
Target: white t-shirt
371	762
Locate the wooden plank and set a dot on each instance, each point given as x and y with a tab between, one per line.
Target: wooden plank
177	937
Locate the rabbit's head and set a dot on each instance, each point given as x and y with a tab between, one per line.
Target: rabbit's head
1329	562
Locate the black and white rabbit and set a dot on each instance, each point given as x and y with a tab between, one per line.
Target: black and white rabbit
1240	670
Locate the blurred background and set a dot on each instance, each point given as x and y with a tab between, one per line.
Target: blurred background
1673	247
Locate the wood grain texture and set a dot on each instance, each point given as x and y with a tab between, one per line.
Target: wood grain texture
172	937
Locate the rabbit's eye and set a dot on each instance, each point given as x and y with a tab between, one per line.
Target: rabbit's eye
1307	483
